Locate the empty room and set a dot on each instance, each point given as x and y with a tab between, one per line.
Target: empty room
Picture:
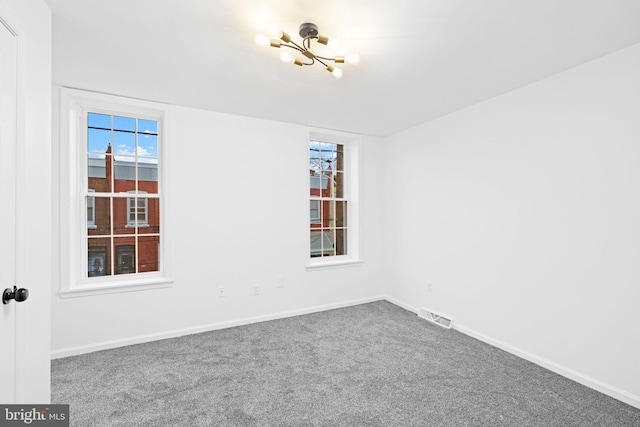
338	213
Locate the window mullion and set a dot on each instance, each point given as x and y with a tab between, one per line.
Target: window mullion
112	245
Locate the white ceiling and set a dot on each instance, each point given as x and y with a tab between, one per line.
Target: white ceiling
420	58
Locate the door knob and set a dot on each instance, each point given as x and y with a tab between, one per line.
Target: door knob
18	294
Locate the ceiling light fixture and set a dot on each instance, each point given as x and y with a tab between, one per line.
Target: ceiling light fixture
308	32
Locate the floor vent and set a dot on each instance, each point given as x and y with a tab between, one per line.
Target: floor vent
436	318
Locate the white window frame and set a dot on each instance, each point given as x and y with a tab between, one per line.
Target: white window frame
71	112
352	146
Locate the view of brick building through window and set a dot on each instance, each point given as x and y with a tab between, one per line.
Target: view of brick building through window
327	200
123	204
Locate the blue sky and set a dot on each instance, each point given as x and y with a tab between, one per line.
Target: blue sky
121	133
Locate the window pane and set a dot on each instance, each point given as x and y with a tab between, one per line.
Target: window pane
91	211
340	214
314	211
148	145
98	257
328	239
147	126
125	174
341	242
121	223
124	123
322	243
314	157
102	217
95	120
148	175
97	173
153	217
318	185
98	140
125	255
124	143
338	185
148	254
340	158
316	243
328	212
327	153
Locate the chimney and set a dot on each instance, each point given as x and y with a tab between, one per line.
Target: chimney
109	169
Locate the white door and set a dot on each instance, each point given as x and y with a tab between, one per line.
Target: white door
8	76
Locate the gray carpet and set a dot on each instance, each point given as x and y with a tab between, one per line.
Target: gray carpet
369	365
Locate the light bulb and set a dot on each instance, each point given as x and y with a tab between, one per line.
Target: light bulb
337	73
334	44
273	31
278	34
352	58
262	40
287	57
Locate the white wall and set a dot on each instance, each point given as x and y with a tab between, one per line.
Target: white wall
524	213
238	215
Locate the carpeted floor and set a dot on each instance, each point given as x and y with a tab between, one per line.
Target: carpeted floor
369	365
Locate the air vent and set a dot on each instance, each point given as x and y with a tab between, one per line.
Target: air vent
436	318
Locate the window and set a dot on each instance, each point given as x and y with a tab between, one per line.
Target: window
111	216
137	209
332	198
122	154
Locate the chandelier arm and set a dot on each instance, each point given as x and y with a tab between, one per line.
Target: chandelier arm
308	40
326	59
296	47
299	49
317	58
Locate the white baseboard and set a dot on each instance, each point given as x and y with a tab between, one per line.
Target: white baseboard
576	376
402	304
74	351
585	380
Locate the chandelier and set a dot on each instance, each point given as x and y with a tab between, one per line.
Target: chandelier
308	32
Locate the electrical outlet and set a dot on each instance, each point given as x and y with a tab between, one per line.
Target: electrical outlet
430	287
280	282
256	289
222	292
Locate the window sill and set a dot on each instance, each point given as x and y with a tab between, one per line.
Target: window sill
326	265
145	225
111	287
